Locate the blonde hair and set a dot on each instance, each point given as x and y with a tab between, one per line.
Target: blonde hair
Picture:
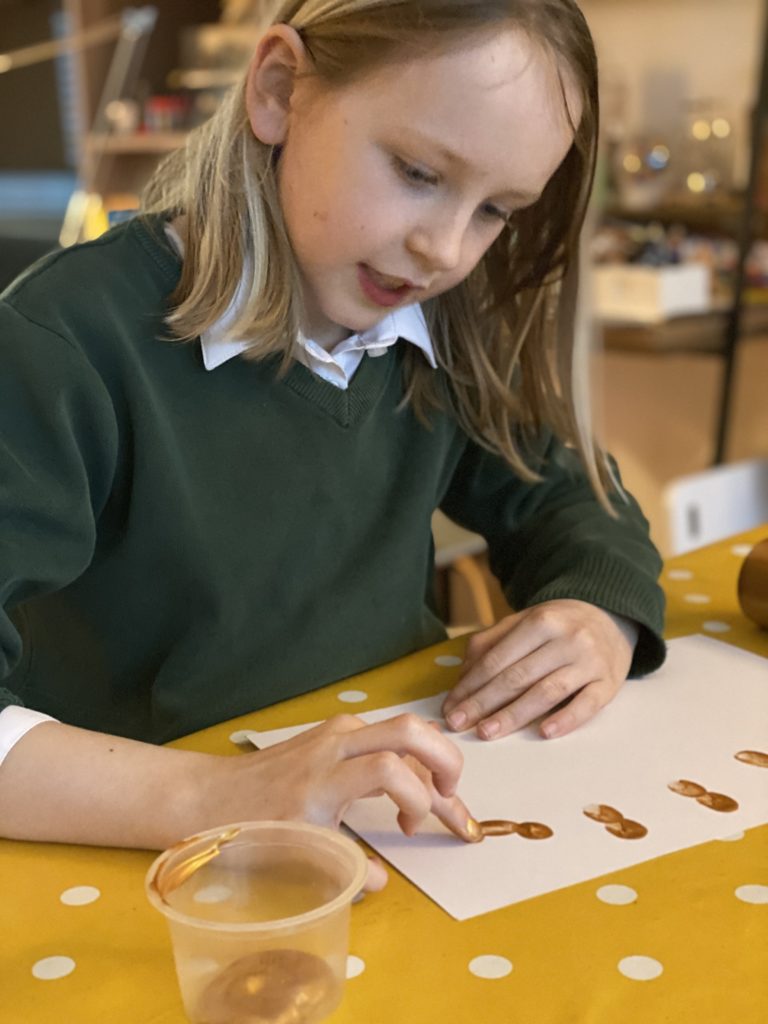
506	335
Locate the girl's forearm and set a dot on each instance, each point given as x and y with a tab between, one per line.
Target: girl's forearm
64	784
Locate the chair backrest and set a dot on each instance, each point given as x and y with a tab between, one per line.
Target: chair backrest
452	541
706	507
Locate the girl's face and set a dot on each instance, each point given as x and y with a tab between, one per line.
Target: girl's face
394	187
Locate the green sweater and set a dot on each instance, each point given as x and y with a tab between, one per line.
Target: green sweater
179	546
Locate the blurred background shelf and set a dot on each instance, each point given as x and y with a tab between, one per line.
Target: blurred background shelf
705	214
141	143
703	334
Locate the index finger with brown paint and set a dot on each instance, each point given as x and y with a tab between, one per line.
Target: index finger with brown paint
451	811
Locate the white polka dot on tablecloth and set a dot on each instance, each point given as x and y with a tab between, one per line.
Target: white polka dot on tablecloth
752	893
616	895
52	967
714	626
490	967
679	574
640	968
355	966
212	894
241	736
697	598
741	550
448	660
733	838
80	895
352	696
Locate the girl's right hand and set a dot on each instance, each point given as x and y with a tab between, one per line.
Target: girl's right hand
68	785
316	775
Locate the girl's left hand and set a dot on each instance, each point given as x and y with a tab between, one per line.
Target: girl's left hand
532	661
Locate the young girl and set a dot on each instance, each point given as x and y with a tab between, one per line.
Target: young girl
226	424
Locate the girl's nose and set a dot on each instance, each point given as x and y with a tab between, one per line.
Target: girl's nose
438	246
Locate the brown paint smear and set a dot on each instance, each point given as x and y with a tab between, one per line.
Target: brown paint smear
524	829
169	878
753	757
615	822
501	827
715	801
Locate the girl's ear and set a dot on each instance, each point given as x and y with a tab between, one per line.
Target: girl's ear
270	82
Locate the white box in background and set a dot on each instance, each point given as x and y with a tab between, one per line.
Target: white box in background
651	294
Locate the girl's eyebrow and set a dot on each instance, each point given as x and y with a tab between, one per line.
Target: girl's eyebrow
450	156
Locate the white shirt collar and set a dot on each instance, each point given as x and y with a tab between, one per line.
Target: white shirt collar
407	323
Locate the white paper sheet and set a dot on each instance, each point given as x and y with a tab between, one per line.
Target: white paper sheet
687	721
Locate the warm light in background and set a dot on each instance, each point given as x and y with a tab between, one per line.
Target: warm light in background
632	163
721	128
697	182
701	130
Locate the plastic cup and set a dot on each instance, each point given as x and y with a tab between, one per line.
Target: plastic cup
259	920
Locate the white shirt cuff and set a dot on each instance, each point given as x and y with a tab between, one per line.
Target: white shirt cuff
16	722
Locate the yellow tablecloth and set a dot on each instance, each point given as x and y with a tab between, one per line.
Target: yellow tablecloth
556	957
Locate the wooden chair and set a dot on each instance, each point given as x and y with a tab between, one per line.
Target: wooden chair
456	551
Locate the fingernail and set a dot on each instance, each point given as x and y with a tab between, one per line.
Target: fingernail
457	719
549	730
489	729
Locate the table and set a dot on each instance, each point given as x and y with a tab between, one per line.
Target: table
550	960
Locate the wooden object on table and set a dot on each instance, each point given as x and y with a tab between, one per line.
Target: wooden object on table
753	584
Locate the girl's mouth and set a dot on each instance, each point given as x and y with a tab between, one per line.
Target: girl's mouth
381	289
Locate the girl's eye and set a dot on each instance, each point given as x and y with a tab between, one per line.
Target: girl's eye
414	175
496	213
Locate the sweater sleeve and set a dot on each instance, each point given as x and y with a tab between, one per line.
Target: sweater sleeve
552	540
58	443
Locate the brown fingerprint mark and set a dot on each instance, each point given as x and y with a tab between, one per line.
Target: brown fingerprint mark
626	829
714	801
684	787
615	822
534	830
753	757
603	813
524	829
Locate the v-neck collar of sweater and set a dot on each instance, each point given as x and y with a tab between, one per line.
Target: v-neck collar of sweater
348	407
